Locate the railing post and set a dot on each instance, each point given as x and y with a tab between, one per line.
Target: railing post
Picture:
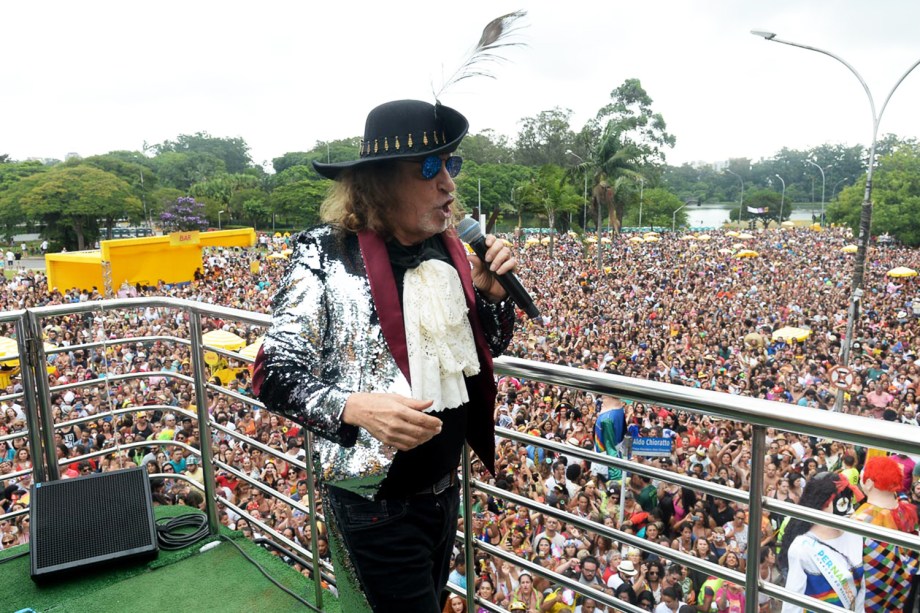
204	422
31	367
468	538
755	510
314	533
44	404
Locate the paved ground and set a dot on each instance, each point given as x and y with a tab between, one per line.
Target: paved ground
31	263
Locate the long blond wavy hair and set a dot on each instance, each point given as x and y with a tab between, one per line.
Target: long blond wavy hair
362	198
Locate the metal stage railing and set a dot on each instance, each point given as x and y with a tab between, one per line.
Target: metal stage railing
41	425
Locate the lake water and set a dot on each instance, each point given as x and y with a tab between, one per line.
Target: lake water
714	215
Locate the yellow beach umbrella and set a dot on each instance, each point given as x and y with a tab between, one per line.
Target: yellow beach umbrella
902	271
636	239
731	233
790	333
688	237
787	224
251	351
276	256
747	253
545	240
650	233
849	248
737	245
605	240
224	340
725	251
745	236
652	239
9	347
703	237
591	239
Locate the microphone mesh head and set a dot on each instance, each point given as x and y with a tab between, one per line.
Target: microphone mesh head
468	230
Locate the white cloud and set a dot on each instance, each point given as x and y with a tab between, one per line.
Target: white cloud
96	76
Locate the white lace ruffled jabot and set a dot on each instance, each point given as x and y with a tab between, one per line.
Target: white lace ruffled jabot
439	338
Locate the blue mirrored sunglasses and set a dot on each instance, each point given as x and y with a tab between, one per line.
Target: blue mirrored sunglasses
431	166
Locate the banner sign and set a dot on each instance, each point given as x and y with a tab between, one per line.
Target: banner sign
652	446
189	237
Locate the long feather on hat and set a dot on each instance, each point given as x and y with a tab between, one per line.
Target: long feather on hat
495	36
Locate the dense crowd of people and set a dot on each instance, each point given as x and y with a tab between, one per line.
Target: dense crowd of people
677	310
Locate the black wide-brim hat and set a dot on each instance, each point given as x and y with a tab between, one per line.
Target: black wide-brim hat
404	129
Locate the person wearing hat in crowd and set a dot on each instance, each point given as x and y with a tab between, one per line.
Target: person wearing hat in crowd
626	574
382	341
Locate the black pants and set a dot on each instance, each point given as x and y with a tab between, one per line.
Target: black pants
401	548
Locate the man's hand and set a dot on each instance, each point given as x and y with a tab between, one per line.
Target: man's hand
392	419
499	260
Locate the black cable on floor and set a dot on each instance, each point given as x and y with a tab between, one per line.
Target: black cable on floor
267	576
169	537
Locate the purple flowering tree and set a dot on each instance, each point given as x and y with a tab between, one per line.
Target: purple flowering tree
184	214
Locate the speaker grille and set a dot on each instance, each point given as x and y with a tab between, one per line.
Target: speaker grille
92	519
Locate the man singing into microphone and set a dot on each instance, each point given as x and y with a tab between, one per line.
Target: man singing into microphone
381	343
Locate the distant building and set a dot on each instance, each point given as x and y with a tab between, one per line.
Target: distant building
72	156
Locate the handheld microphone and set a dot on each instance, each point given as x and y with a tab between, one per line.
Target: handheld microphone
469	232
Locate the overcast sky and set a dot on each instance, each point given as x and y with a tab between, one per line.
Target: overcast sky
91	77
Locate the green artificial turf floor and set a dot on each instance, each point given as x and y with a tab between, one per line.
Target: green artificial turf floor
185	580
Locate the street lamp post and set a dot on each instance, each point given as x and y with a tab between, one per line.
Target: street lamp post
219	213
820	219
641	192
599	248
865	217
584	216
834	190
782	199
674	217
740	206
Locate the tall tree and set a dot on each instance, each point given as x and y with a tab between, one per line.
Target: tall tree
636	124
234	152
182	170
544	139
487	147
340	150
895	197
552	195
73	200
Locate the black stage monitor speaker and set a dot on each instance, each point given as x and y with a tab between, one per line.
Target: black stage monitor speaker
89	521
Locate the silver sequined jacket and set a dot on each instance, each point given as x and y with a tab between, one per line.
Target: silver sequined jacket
337	329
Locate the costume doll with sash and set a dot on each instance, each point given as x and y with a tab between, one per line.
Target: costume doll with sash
823	562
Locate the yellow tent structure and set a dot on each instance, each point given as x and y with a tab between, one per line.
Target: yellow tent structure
849	248
791	333
171	258
747	253
902	271
223	340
